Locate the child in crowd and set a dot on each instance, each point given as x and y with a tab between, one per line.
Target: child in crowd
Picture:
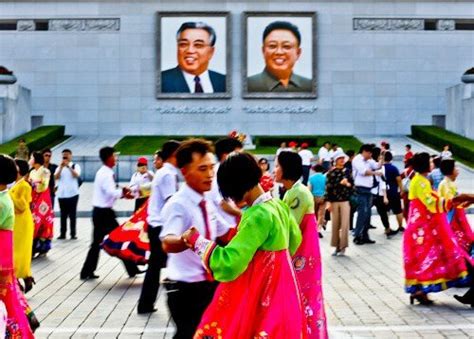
140	183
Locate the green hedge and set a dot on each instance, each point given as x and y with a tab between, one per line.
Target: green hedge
36	139
140	145
436	137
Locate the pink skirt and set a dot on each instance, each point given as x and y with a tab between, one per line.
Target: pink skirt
263	302
307	265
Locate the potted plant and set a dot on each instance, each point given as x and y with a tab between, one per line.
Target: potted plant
468	76
6	76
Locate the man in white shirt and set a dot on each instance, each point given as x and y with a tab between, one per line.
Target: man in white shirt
364	168
225	207
307	156
106	192
324	158
67	177
190	290
164	185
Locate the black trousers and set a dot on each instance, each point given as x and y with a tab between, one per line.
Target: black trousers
156	262
306	170
187	303
104	222
68	208
139	202
381	210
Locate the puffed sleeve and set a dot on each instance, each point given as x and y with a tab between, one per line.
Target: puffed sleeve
229	262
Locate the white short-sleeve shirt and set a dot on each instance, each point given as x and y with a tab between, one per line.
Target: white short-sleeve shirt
163	186
68	185
180	213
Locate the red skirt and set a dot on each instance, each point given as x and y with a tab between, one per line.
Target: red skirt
461	229
130	240
43	216
263	302
433	260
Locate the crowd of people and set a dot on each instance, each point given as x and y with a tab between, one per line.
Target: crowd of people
236	236
29	185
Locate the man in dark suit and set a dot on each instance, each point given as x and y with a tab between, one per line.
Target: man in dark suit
195	50
281	48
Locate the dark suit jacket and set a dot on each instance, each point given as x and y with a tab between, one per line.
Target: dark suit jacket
172	81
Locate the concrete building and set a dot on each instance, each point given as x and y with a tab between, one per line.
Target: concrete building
381	66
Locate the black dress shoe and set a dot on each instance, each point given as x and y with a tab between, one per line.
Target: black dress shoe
73	237
61	237
358	241
372	227
89	277
145	310
368	241
465	299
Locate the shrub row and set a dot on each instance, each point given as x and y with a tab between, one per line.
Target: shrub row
437	137
36	139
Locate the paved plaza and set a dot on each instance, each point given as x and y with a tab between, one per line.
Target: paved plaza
363	293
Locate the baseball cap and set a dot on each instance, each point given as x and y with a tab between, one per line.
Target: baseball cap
142	161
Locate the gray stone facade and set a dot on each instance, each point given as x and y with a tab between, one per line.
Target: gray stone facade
96	72
15	111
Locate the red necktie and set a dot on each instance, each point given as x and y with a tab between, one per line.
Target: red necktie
202	205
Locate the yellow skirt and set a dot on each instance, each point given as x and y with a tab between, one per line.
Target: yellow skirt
23	244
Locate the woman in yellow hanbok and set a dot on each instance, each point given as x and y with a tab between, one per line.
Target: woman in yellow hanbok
24	226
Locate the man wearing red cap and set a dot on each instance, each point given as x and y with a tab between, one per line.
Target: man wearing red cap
139	179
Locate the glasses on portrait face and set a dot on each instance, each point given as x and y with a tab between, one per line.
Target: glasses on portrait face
185	45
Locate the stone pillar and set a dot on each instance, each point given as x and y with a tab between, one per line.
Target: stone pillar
15	111
460	109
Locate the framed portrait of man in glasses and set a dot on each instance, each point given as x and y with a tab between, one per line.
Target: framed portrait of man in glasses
193	55
279	55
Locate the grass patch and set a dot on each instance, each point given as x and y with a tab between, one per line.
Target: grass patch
143	145
436	137
37	139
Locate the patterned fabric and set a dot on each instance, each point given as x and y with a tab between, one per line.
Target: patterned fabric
266	181
130	240
433	260
334	190
420	188
300	201
17	325
251	306
307	265
44	218
307	260
256	274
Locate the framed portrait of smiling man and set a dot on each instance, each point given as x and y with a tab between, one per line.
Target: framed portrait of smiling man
193	58
279	55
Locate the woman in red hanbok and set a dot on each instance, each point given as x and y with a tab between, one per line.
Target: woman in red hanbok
42	207
130	240
258	296
433	260
456	216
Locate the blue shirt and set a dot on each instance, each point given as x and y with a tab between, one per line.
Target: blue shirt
318	184
391	174
436	177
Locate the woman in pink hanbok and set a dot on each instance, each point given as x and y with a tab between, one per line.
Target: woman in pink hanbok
456	216
307	259
20	320
258	296
433	259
